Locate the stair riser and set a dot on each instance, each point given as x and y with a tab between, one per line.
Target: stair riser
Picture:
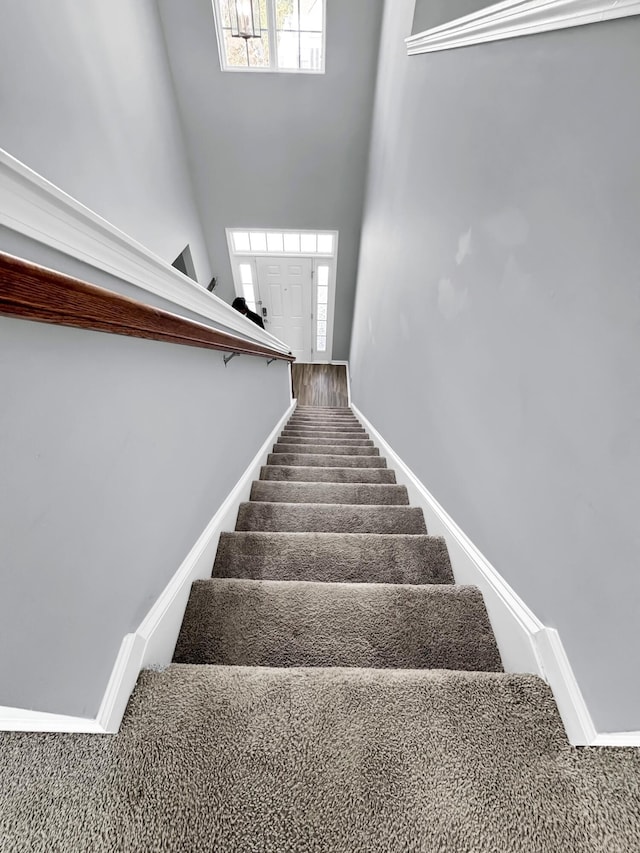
372	558
310	433
269	623
345	442
309	429
313	419
297	473
320	421
324	413
329	449
320	518
347	431
325	460
329	493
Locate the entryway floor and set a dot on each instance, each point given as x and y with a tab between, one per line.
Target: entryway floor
320	384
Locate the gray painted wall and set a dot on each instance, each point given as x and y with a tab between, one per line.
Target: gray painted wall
115	453
496	339
279	150
432	13
86	100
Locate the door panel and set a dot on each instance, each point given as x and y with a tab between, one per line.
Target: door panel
275	295
285	290
297	299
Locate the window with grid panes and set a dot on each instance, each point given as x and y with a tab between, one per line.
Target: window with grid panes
291	37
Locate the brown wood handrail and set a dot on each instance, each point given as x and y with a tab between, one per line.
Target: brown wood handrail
36	293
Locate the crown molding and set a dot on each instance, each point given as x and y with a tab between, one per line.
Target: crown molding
513	18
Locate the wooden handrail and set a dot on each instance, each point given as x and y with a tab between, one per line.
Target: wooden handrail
34	292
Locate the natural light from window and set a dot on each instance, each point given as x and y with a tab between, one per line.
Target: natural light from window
282	242
321	310
249	247
291	37
246	278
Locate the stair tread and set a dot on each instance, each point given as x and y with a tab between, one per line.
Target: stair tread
329	433
328	460
302	623
322	428
313	419
330	518
332	449
375	760
325	439
334	557
333	493
307	473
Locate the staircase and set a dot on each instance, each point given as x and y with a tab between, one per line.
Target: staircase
330	567
333	691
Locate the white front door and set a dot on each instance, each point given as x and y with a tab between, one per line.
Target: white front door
285	292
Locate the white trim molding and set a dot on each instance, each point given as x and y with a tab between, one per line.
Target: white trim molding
525	643
153	642
512	18
35	207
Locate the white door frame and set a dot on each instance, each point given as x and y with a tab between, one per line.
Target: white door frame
250	257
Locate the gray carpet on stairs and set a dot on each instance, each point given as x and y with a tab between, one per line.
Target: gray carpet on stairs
257	760
334	557
299	623
315	439
405	743
325	426
282	446
344	432
307	473
348	431
329	518
329	493
326	460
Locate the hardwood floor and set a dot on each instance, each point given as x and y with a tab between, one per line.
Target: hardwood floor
320	384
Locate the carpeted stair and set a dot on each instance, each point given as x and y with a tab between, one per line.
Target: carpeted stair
330	493
333	691
305	623
364	607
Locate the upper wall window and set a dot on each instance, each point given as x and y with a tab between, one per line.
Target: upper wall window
291	36
282	242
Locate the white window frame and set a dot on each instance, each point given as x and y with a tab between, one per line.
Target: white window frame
317	259
326	356
272	68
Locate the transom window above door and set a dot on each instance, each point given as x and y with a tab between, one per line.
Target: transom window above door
289	279
289	35
308	243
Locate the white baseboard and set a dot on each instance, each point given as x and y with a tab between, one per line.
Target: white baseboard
525	643
153	642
